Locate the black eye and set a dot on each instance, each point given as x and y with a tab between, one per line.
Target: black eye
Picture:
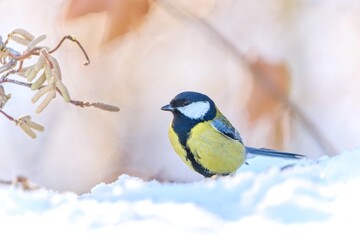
186	102
179	103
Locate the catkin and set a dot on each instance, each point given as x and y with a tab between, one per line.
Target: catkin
40	93
23	33
3	97
27	130
56	67
25	118
46	101
34	69
35	126
64	91
36	41
22	71
20	40
106	107
47	71
39	82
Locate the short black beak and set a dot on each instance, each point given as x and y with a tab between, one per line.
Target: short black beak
167	108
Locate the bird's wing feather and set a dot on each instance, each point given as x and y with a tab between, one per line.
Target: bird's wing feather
272	153
221	124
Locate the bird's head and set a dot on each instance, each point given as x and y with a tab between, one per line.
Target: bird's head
192	105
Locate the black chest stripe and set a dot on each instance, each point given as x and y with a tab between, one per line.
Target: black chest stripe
183	132
182	127
195	164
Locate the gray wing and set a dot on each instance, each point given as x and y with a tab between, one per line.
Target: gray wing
272	153
224	126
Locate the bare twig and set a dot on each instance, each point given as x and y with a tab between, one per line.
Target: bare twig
44	76
21	181
73	39
102	106
8	116
20	83
36	50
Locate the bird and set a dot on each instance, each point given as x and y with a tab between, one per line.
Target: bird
205	139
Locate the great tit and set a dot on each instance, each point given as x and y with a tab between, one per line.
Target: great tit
205	140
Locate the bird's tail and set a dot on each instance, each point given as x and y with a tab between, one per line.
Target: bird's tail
272	153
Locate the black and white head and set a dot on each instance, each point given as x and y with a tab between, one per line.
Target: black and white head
192	106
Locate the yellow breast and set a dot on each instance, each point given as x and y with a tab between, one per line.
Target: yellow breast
215	151
179	149
212	150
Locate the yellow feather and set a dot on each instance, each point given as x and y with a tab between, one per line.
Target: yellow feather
215	151
174	140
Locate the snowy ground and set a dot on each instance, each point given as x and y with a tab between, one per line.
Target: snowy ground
310	200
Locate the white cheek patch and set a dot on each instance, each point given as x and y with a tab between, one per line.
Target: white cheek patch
196	110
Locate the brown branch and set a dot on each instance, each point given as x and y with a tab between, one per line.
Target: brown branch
82	104
73	39
19	181
102	106
36	50
51	72
33	51
5	182
8	66
7	80
8	116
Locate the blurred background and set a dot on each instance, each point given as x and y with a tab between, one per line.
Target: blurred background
285	72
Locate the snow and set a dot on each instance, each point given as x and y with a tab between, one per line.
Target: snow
310	199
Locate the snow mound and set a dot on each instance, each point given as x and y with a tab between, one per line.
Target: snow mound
310	199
